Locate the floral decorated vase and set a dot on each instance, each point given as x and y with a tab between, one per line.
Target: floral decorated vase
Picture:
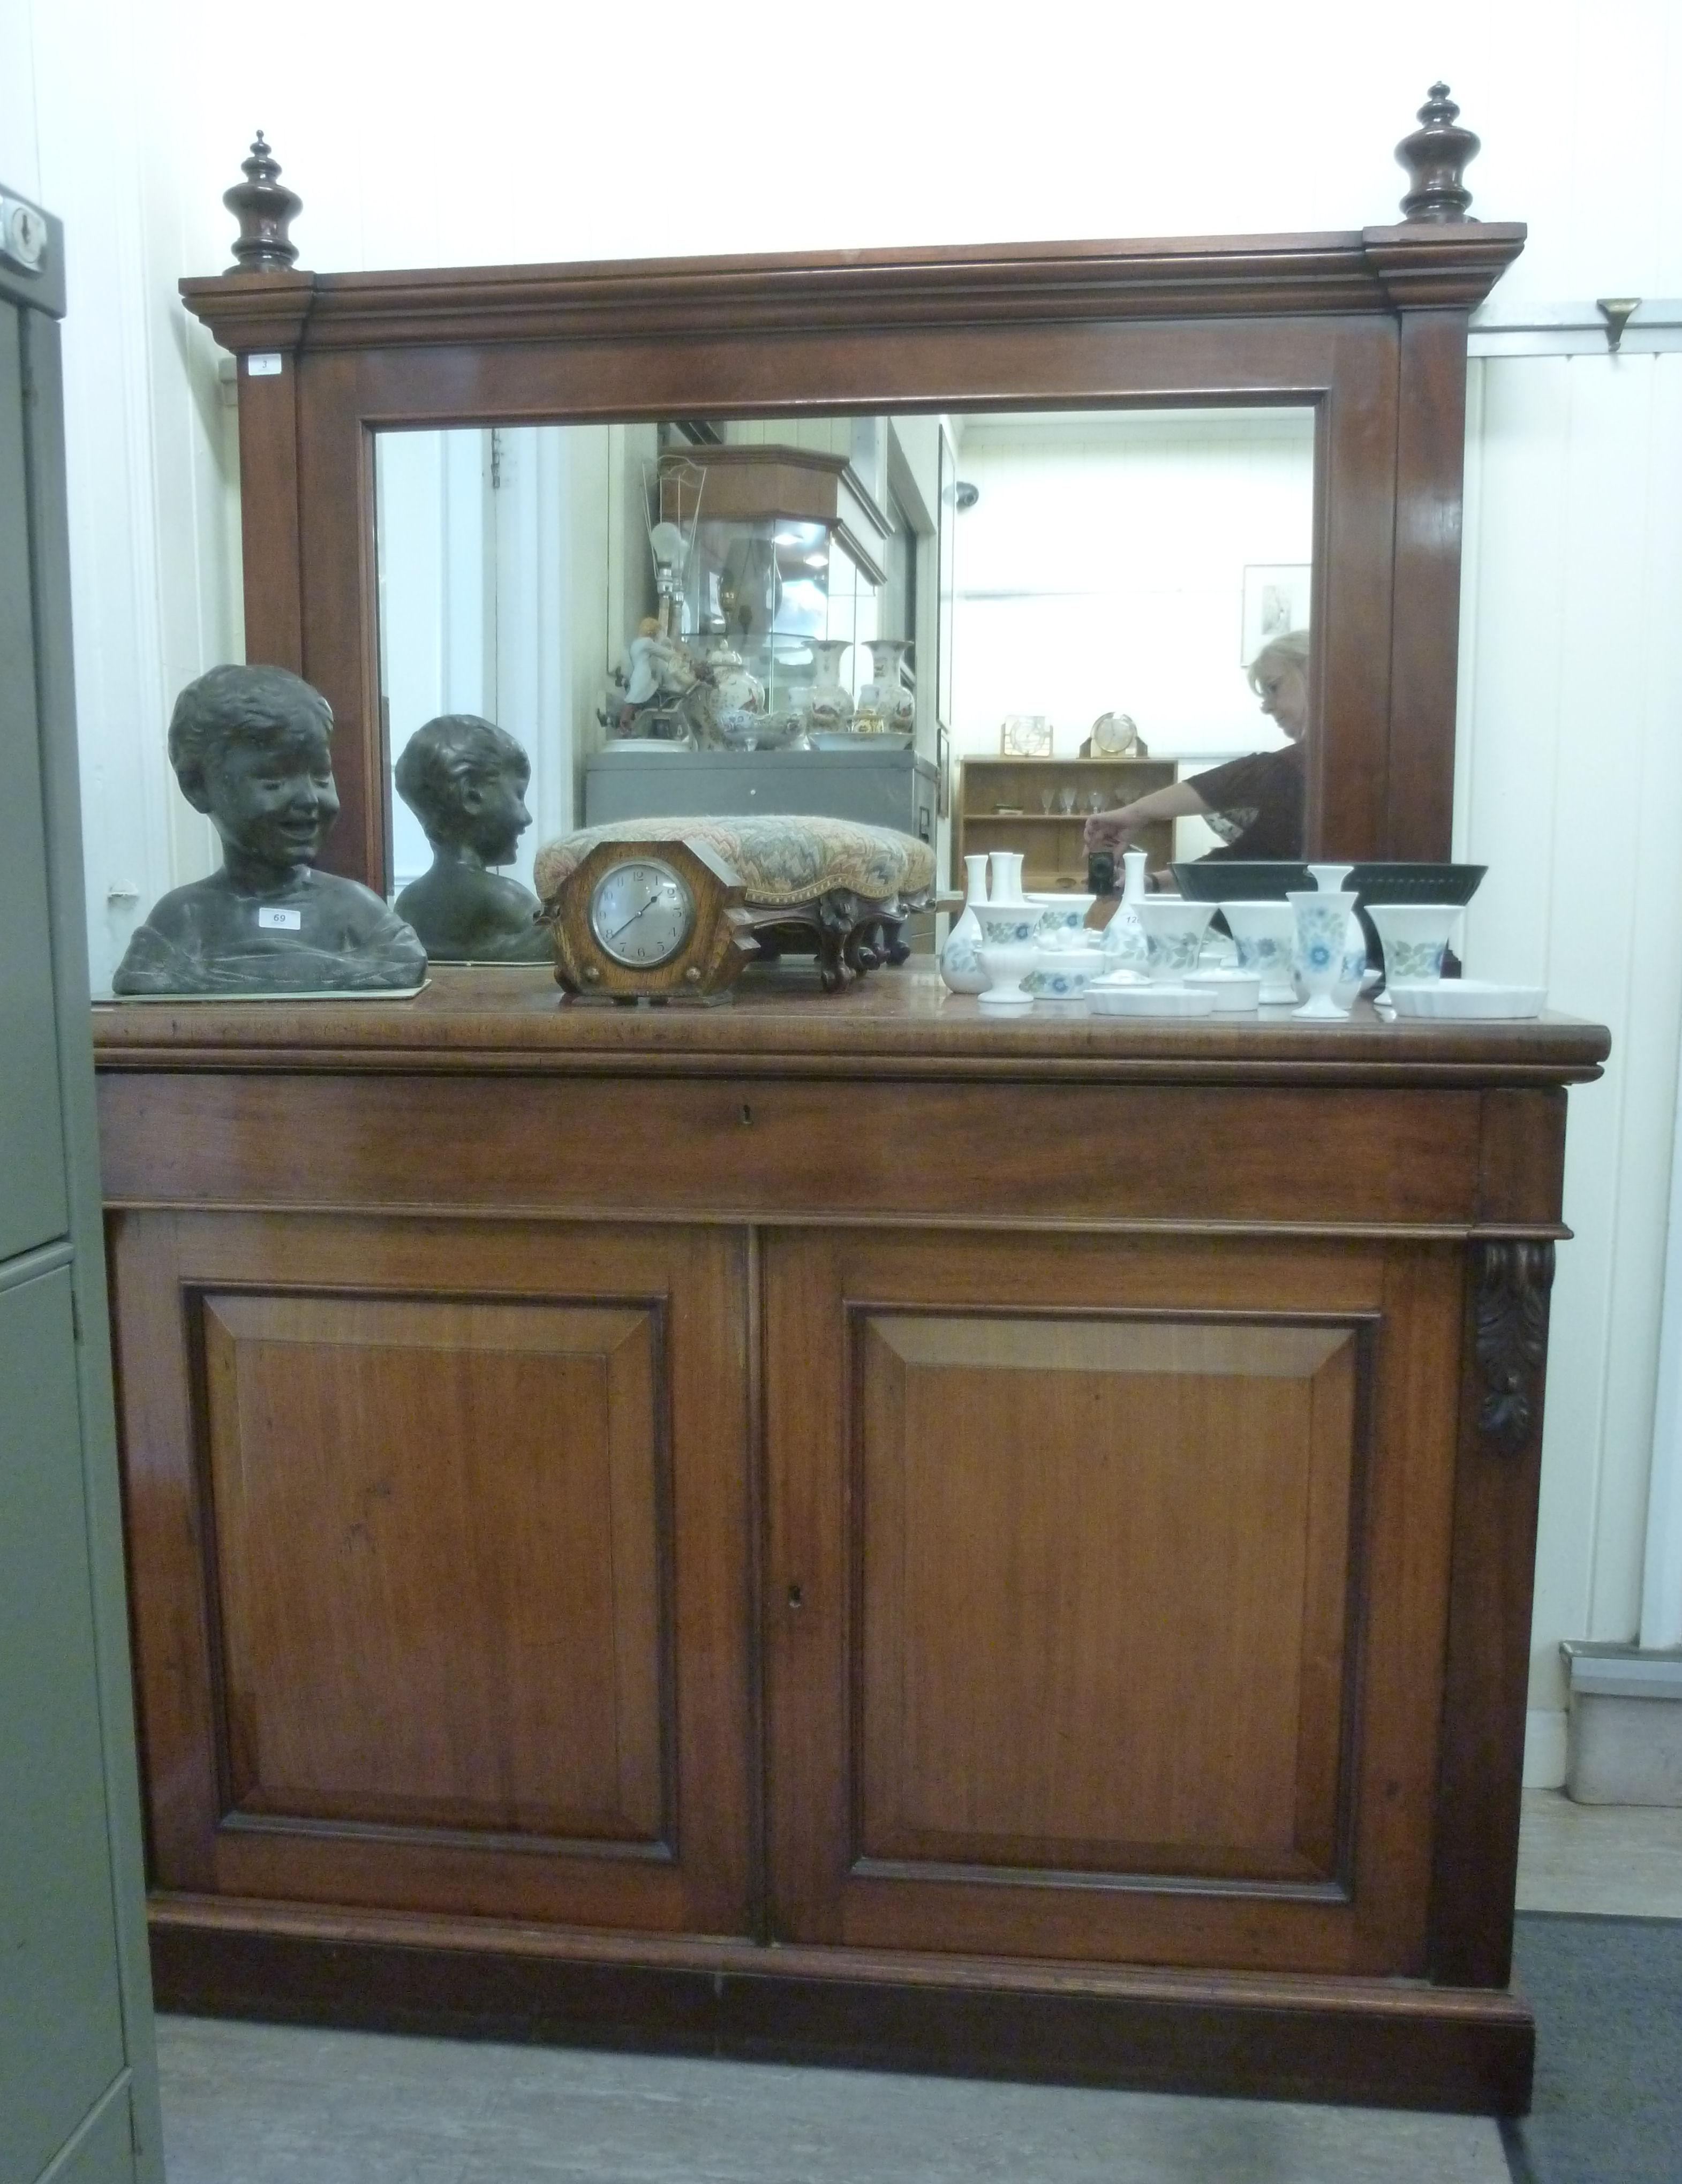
1414	937
1174	931
1322	951
960	959
1007	963
1265	935
830	709
1331	880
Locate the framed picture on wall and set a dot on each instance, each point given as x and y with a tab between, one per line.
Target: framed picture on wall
1277	596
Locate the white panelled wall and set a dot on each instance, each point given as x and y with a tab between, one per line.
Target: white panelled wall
1569	788
417	136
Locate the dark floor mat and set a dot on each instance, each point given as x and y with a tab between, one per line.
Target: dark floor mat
1607	1995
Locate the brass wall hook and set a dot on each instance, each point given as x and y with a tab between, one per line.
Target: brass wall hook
1616	311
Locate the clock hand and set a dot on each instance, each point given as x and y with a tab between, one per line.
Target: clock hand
634	915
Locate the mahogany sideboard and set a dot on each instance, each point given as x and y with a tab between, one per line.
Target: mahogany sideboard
827	1528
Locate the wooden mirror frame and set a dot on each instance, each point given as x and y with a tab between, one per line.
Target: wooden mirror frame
1368	327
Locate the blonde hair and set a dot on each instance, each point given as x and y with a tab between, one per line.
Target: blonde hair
1293	646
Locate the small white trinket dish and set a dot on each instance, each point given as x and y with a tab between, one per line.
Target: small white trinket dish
1465	998
1234	990
1118	995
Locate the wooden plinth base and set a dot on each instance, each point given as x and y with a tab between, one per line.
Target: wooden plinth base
1377	2042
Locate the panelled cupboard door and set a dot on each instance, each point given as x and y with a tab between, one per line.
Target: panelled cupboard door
446	1533
1103	1589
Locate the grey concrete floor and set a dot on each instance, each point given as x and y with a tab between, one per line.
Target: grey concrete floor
267	2104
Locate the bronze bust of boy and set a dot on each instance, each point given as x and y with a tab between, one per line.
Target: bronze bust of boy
464	779
252	746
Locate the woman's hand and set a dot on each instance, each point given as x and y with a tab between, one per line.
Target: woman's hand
1115	830
1111	830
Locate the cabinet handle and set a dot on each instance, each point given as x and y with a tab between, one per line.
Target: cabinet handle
795	1596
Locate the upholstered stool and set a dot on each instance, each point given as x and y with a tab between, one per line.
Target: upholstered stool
833	888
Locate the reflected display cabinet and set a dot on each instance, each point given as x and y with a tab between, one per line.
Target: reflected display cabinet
829	1526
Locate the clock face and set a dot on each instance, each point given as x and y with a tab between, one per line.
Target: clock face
641	913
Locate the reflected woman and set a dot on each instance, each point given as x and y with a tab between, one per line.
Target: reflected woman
1255	803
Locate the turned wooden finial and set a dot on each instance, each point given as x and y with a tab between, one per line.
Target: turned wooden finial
1435	157
265	209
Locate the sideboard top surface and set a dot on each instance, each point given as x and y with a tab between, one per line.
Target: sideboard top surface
893	1024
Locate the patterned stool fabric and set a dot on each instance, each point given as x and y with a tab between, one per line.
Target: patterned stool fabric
833	888
782	860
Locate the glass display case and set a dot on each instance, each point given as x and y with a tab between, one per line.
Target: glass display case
769	567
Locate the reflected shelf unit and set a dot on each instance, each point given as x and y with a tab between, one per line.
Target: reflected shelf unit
1000	801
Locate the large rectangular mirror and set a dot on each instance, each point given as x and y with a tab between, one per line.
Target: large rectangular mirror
891	617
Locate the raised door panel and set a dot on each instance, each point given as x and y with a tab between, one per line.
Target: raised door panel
1105	1596
442	1535
1052	1584
402	1493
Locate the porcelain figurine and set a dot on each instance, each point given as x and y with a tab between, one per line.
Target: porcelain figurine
960	962
657	676
465	779
252	747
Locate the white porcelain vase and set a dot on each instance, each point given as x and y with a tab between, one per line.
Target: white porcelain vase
1010	929
1322	922
1330	879
1265	935
1124	936
1173	935
1414	937
830	709
960	959
1005	885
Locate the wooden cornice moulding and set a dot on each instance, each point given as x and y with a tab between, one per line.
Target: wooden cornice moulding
1419	274
249	311
1383	270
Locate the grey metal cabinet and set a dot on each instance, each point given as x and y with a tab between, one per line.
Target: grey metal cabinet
78	2073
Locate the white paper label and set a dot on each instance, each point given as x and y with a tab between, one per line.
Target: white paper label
265	366
272	919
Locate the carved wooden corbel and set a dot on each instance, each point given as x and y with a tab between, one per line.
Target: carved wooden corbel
1514	1278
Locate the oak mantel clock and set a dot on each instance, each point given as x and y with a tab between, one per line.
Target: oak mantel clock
658	920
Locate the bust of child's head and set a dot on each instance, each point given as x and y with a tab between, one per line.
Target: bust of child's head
252	747
464	779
